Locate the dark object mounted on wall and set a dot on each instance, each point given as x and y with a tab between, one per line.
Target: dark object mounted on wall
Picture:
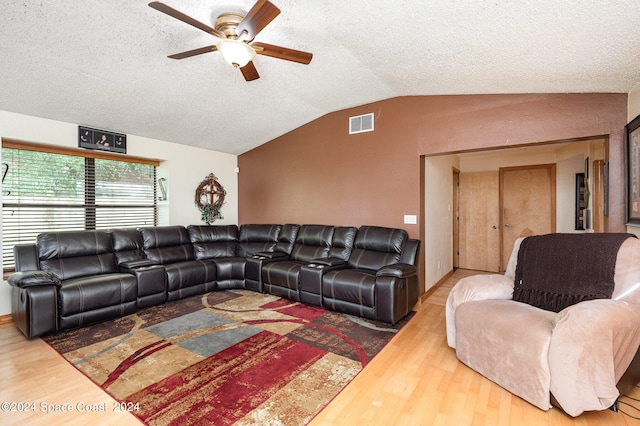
581	203
210	198
103	140
632	171
5	166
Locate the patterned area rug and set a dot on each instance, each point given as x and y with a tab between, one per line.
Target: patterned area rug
225	357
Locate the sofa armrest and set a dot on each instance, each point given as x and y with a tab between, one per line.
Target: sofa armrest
33	278
475	287
26	257
135	264
270	255
395	296
398	270
253	268
592	345
328	261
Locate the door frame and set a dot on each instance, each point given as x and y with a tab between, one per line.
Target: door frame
455	217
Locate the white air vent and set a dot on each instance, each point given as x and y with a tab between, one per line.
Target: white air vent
361	123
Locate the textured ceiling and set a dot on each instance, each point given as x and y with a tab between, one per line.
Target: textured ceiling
103	63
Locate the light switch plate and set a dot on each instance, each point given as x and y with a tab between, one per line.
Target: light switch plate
410	219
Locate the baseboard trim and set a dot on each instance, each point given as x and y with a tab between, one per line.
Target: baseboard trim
433	288
6	319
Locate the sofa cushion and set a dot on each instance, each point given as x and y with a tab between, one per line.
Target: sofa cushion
282	274
167	244
376	247
559	270
127	245
56	245
230	268
286	238
350	285
312	242
213	241
342	243
90	293
255	238
508	343
188	274
74	254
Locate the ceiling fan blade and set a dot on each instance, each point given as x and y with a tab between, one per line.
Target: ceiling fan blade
185	18
249	72
282	53
194	52
258	17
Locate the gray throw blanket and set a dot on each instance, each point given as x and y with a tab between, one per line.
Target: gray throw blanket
559	270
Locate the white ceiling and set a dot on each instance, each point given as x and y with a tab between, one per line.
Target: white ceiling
103	63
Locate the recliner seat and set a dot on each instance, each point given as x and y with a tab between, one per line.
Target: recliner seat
281	277
90	287
130	257
374	283
219	243
186	276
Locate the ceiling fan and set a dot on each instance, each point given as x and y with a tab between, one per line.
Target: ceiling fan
235	35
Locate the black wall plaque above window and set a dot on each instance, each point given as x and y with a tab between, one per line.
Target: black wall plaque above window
102	140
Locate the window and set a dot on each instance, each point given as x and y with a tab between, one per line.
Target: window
59	190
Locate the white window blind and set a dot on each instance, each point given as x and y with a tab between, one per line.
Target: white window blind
45	191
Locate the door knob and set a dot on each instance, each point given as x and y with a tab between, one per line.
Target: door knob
506	225
494	227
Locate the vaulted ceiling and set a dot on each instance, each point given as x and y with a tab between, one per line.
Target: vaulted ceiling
104	63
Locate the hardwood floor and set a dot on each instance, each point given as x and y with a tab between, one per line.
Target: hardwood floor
415	380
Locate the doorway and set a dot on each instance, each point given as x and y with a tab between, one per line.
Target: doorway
439	172
497	207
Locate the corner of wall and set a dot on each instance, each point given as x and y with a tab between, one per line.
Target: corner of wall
633	103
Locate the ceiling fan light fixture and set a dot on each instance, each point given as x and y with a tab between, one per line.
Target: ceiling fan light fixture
236	52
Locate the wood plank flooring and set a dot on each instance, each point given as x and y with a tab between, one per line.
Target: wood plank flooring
415	380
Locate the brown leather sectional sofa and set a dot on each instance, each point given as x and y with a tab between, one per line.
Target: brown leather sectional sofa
71	279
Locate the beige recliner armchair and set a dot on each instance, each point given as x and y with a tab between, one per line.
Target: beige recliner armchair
574	358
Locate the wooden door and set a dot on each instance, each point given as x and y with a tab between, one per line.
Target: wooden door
479	220
527	204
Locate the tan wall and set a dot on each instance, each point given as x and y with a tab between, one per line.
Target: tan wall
319	173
